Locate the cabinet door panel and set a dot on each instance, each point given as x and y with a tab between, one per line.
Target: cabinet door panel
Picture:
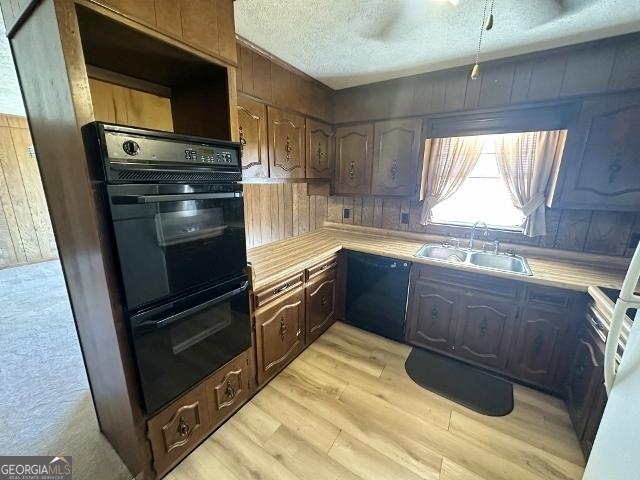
319	153
320	306
431	319
354	156
395	157
279	334
485	329
535	354
178	428
286	144
252	121
601	163
585	377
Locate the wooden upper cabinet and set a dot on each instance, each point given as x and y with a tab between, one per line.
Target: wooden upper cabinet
319	149
286	144
252	125
354	155
485	328
601	163
396	157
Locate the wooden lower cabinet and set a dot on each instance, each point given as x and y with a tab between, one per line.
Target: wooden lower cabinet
279	333
538	346
432	315
320	305
176	430
586	376
484	330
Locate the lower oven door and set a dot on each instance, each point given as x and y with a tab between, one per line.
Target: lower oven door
180	343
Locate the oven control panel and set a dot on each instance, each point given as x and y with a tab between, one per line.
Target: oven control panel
125	148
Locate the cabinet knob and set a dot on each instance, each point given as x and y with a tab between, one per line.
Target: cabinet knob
288	148
484	327
538	342
352	169
434	313
230	391
283	328
243	141
324	300
183	428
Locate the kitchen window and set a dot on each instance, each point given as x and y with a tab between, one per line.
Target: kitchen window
483	196
497	179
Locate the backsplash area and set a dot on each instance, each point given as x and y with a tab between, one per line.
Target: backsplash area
278	211
604	233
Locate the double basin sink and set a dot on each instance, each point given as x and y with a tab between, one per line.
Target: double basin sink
483	260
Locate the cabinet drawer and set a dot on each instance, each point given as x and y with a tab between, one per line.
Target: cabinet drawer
548	297
177	429
279	333
320	304
277	289
228	388
327	265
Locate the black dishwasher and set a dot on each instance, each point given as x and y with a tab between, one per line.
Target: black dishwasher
377	294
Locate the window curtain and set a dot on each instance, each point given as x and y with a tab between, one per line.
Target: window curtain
449	162
525	161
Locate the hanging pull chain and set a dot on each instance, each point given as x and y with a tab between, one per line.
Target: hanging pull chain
487	24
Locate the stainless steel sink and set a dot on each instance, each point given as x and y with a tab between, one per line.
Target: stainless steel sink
507	263
482	260
442	252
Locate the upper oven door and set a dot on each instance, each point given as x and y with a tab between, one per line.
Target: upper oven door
179	343
173	239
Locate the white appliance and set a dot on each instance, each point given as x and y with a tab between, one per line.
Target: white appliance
615	454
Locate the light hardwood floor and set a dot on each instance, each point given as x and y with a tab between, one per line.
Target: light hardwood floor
346	409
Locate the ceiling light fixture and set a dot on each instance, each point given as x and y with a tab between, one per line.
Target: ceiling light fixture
487	24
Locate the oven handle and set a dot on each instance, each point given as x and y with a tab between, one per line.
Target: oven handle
179	316
127	199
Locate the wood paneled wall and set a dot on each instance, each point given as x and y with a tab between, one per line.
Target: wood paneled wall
274	82
278	211
25	228
605	233
595	67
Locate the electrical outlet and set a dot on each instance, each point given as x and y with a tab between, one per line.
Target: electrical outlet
635	239
404	218
346	212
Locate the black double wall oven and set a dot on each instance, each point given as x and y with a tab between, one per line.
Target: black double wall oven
177	218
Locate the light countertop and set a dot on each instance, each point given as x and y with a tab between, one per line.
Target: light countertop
286	257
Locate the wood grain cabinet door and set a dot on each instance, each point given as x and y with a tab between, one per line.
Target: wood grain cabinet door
178	428
354	157
601	163
431	317
585	376
485	329
279	333
320	305
252	125
228	388
536	350
286	144
395	157
319	149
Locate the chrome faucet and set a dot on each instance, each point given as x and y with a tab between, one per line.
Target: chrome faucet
473	233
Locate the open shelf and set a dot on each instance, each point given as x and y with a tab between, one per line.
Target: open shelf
139	80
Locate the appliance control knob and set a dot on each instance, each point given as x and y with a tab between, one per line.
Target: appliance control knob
131	147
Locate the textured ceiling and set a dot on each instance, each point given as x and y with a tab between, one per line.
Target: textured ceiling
10	98
345	43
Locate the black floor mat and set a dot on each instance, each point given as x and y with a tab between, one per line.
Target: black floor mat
461	383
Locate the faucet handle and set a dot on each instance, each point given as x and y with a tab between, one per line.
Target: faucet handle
455	242
496	247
